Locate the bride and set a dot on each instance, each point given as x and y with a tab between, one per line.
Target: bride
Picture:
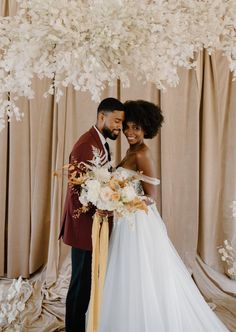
147	286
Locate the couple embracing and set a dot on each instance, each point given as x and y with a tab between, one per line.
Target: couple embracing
147	287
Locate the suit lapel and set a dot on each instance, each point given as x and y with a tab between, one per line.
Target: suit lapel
95	135
100	145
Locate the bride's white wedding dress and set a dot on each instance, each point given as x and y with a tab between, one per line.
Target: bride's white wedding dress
147	286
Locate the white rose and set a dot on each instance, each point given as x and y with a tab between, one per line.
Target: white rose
128	194
106	193
109	205
83	198
93	189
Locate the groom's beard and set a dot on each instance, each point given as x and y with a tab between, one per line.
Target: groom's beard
107	133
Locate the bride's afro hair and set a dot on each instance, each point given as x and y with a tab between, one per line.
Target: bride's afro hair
145	114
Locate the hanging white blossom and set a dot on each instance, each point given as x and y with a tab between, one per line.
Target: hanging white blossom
89	44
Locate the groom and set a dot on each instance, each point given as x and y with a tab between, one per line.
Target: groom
76	230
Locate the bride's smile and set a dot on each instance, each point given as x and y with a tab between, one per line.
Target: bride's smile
133	133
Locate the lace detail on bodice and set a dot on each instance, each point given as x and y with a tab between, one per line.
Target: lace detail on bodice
138	187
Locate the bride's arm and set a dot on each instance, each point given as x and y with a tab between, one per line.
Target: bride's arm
145	165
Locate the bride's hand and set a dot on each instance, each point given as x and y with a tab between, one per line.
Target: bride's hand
148	200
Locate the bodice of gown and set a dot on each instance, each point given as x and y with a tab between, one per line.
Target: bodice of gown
139	179
138	187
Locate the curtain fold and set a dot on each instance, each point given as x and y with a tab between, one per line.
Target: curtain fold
3	195
4	11
41	173
29	190
19	204
217	159
180	164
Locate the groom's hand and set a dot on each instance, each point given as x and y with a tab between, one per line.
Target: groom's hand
105	213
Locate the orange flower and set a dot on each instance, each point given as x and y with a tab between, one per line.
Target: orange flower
136	204
115	196
77	180
114	184
123	183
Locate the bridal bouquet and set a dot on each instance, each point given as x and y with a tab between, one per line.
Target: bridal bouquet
111	191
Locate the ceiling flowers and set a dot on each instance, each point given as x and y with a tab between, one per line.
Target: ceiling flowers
88	44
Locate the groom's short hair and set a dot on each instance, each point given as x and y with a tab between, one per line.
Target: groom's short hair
110	105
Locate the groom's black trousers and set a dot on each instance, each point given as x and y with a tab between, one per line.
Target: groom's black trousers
79	290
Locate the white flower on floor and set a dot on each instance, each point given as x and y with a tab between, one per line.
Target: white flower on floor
233	208
228	255
12	302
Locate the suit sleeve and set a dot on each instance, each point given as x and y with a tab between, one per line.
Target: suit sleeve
80	153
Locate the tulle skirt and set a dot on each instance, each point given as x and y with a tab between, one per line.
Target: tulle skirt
147	286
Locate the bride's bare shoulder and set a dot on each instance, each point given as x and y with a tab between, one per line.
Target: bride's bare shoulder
144	153
145	163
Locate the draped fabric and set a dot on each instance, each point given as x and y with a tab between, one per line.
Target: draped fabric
195	156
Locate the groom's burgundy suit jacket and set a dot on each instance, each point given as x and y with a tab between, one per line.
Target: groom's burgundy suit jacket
77	231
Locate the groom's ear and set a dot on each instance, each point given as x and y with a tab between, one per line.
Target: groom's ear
101	117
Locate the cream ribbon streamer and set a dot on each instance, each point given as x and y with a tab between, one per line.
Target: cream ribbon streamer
100	237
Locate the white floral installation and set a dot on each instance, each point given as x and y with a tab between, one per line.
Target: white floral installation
88	44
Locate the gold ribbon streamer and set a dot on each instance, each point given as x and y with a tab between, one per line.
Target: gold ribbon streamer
100	236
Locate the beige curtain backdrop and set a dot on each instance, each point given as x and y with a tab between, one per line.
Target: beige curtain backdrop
195	156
